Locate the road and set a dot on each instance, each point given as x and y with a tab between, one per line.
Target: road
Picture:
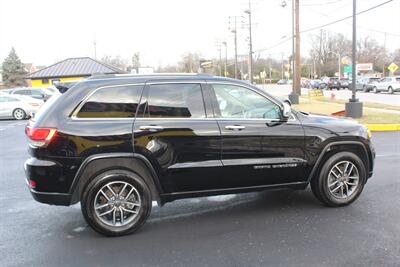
280	228
382	98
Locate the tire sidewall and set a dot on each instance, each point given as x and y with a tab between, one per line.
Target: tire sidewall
341	156
97	183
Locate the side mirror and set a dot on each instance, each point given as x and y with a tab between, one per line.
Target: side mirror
287	110
287	101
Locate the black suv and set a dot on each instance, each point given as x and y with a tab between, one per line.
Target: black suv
117	143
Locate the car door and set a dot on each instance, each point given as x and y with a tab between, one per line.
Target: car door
175	132
258	147
8	104
383	84
3	106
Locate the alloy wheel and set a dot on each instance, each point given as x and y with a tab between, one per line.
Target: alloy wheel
19	114
117	203
343	179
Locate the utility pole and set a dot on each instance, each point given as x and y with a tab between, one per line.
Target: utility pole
384	56
234	31
250	45
354	108
226	57
94	46
220	58
294	96
270	70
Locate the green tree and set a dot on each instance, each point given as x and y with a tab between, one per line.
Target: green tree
13	70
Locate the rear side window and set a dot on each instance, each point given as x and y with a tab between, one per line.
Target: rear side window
23	92
175	101
112	102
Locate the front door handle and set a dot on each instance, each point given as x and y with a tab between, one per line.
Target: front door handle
235	127
151	128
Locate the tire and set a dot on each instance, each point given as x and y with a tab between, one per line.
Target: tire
365	90
329	194
375	90
19	114
122	182
390	90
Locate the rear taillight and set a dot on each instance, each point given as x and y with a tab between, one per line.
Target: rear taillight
40	137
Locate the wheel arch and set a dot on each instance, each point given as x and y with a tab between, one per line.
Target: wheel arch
96	164
355	147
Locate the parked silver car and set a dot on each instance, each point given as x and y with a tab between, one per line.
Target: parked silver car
17	106
388	84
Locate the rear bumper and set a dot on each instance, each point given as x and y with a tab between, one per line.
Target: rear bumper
59	199
50	183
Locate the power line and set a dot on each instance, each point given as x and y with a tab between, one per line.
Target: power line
348	17
323	26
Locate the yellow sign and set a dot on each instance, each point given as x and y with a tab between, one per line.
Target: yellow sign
393	67
315	93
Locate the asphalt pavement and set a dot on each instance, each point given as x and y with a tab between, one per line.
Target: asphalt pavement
276	228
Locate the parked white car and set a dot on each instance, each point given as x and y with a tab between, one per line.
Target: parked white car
17	106
388	84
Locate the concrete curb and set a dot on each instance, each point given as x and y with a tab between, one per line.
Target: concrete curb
383	127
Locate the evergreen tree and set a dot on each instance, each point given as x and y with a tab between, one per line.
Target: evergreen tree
13	70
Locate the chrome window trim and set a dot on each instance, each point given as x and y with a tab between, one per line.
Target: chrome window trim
84	100
105	119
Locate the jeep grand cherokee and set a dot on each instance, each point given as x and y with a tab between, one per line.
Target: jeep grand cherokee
117	143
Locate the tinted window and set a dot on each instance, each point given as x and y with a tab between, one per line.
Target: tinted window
175	101
239	102
112	102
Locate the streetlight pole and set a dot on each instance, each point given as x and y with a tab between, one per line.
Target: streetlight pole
354	108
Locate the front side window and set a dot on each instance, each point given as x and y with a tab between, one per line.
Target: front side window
243	103
175	101
112	102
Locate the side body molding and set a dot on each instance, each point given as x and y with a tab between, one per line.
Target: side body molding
134	162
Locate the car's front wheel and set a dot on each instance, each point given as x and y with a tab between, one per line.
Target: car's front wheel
390	90
116	202
19	114
341	180
375	90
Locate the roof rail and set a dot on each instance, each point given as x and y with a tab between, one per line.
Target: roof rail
102	76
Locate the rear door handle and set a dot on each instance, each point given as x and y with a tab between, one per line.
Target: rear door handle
235	127
151	128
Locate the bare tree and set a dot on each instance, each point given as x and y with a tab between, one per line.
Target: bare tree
369	51
325	48
190	62
116	61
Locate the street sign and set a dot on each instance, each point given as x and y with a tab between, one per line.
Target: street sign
364	66
393	67
347	69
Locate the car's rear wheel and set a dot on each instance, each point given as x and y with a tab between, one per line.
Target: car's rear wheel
19	114
341	180
365	89
390	90
116	202
375	90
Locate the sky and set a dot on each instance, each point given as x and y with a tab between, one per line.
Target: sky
46	31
